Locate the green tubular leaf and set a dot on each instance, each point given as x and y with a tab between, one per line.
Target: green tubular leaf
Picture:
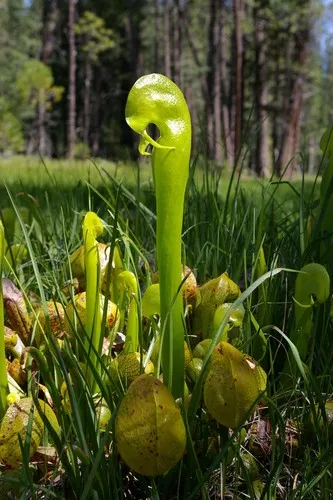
146	140
93	224
92	228
156	99
128	280
151	301
312	285
326	199
326	207
326	142
143	144
313	282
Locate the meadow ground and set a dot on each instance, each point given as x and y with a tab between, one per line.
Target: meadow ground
232	223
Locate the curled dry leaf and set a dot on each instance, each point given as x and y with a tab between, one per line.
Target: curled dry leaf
150	431
47	454
10	338
260	437
16	310
15	369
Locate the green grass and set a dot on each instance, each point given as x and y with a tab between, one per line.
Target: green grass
221	233
35	171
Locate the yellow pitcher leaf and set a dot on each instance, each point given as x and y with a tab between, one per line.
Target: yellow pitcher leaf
14	427
209	297
128	367
150	431
79	309
233	384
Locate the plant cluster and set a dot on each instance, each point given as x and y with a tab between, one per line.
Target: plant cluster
119	380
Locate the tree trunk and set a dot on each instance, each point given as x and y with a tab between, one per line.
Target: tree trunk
290	140
211	79
72	81
293	109
239	54
275	113
262	155
196	57
188	93
217	88
213	102
226	129
157	34
133	70
166	40
42	142
96	114
50	21
176	42
133	37
86	101
312	154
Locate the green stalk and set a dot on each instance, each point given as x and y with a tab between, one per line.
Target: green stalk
92	228
156	99
128	280
3	372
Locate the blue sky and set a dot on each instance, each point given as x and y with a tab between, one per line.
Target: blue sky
325	24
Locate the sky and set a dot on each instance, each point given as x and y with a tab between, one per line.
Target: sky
325	25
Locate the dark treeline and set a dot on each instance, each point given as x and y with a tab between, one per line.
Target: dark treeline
256	75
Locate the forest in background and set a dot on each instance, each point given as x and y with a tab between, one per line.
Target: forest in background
257	76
